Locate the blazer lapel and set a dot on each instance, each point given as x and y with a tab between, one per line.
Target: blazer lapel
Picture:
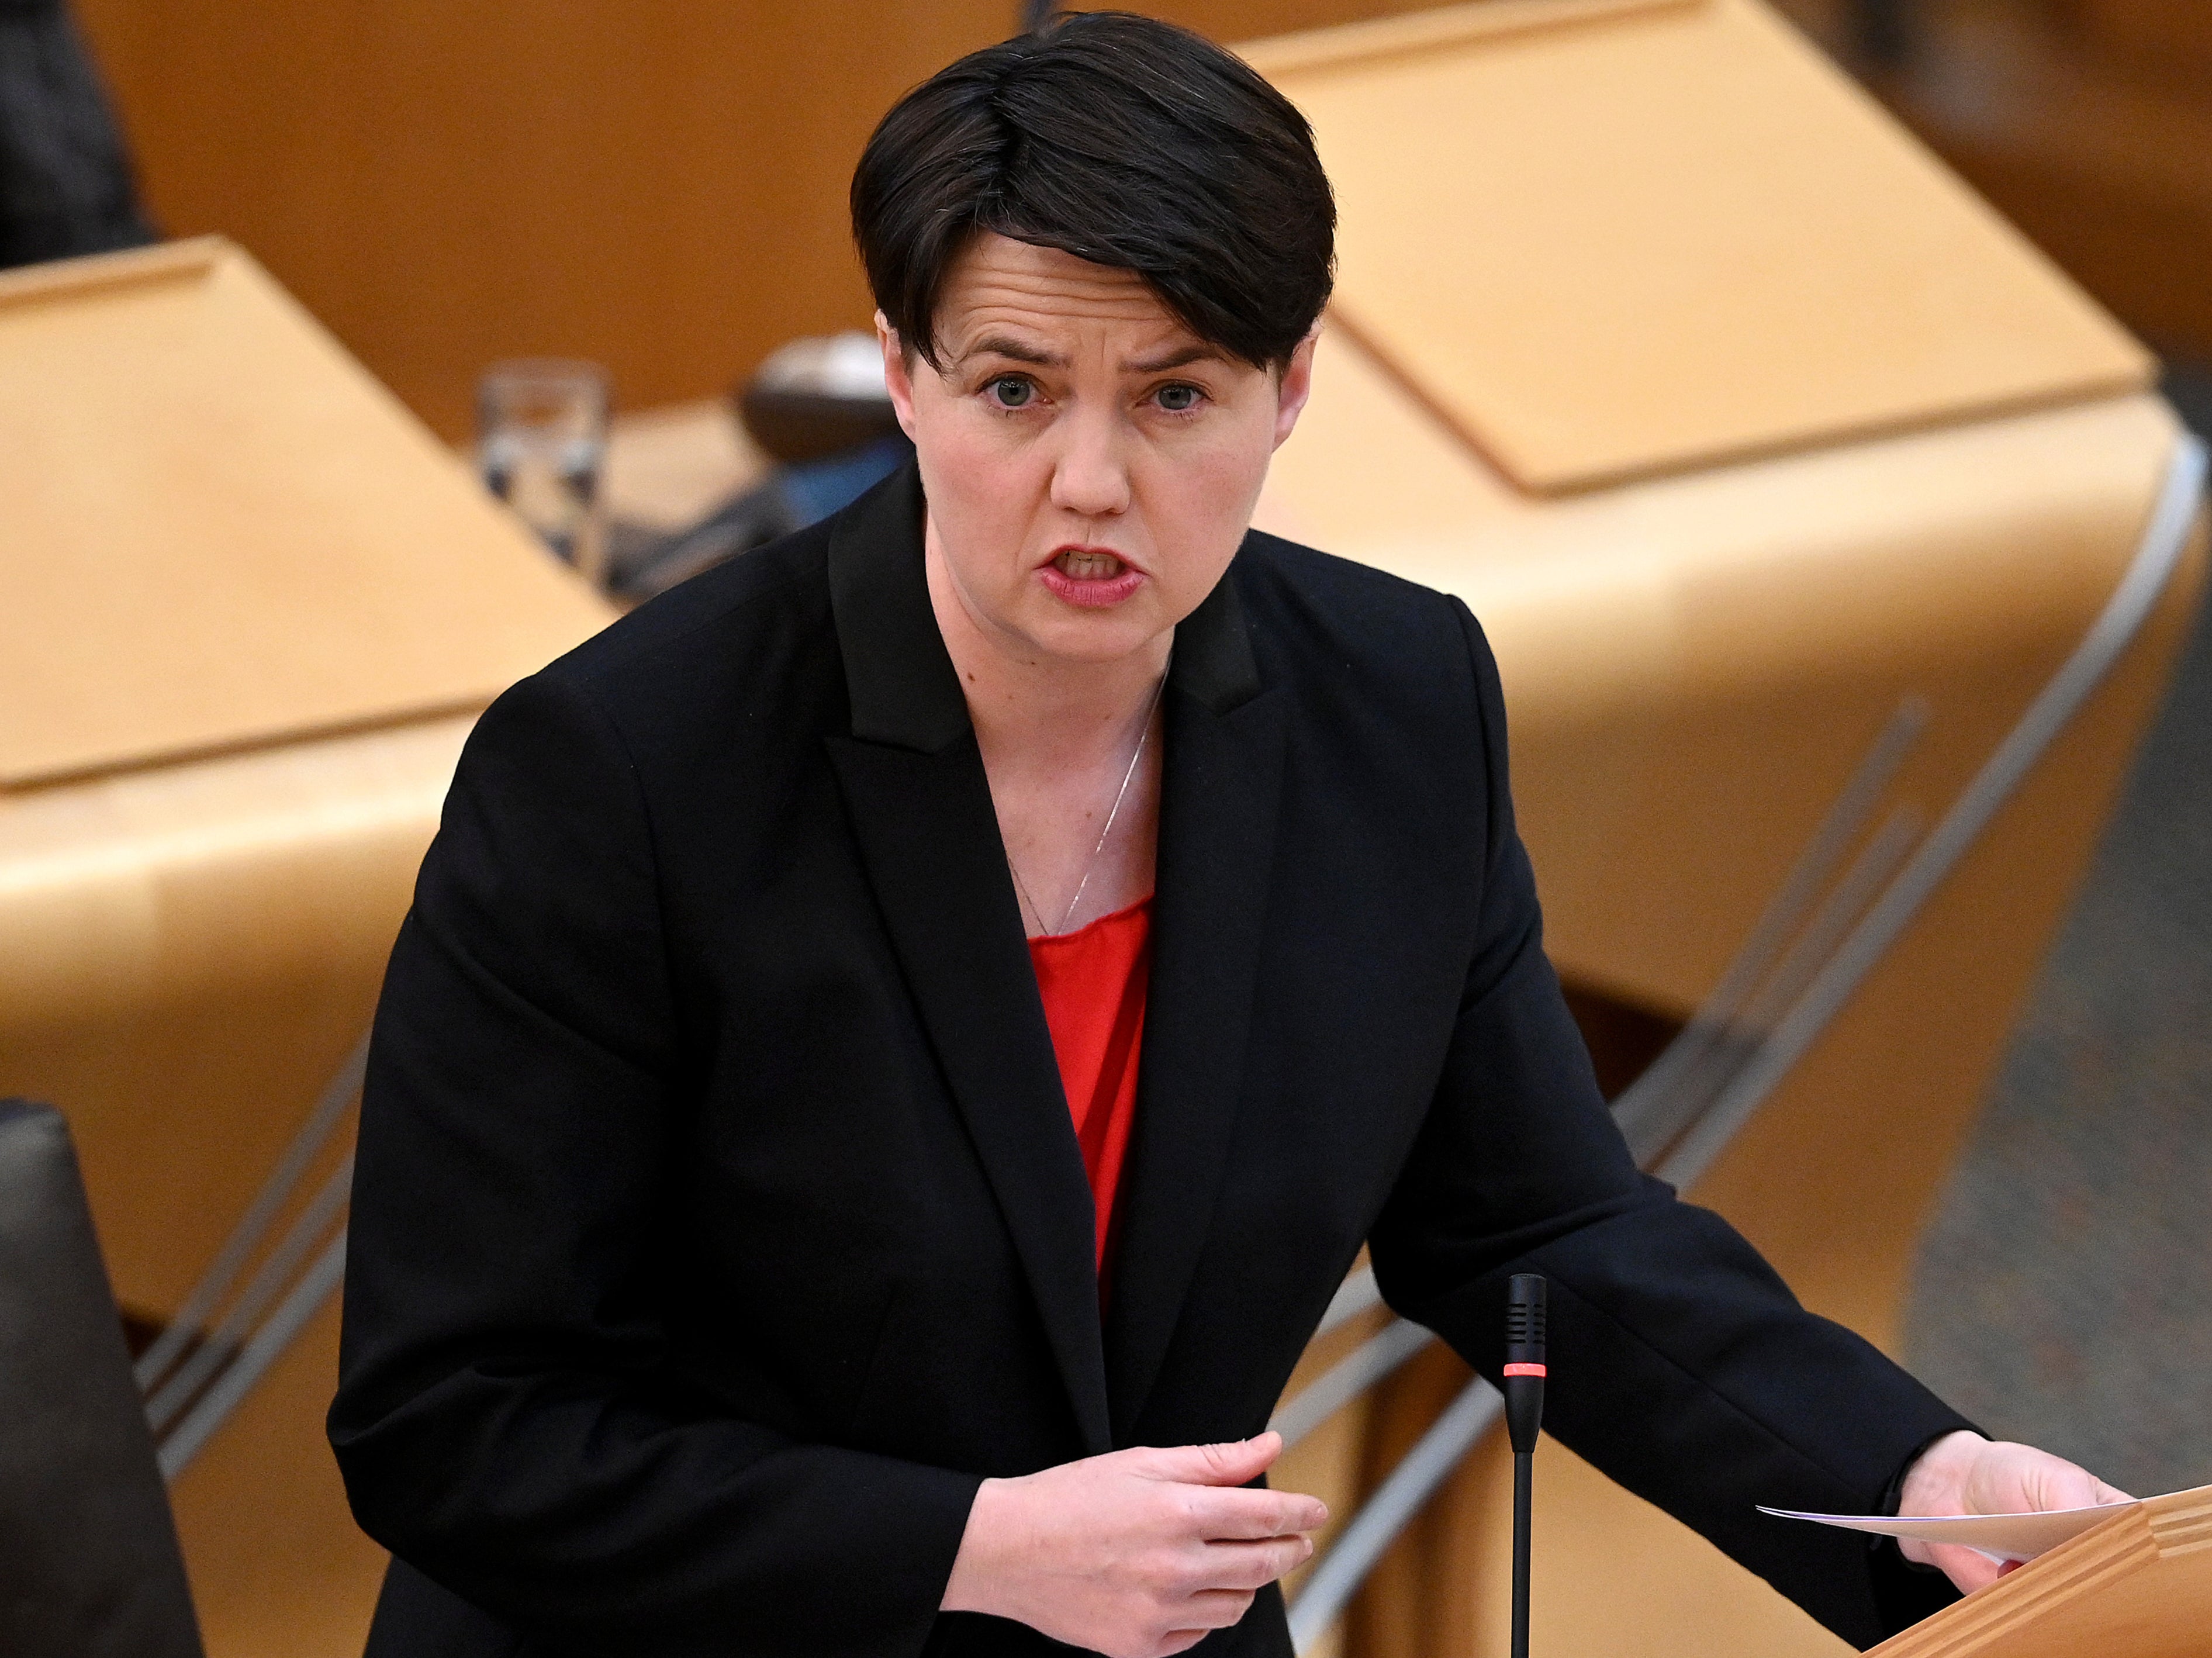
1221	792
920	807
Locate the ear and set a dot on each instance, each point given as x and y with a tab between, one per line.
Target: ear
1295	386
896	380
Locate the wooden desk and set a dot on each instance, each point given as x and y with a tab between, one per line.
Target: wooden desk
248	610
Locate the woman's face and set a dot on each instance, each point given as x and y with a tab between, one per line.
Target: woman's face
1090	463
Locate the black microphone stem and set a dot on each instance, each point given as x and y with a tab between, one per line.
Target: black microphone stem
1523	1479
1524	1376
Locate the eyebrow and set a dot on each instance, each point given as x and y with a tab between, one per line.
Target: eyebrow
1182	356
1003	345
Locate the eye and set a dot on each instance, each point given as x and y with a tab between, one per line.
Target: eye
1011	392
1178	399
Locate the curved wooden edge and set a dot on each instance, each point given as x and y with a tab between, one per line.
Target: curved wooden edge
1479	20
194	257
2111	1591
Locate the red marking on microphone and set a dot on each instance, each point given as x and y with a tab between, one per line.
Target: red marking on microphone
1524	1370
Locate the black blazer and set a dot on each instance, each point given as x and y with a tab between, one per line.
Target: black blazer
719	1222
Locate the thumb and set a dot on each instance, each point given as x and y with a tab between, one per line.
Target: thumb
1237	1463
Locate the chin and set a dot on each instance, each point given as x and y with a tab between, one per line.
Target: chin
1096	638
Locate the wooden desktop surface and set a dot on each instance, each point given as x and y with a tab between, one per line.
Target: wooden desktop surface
226	534
1614	240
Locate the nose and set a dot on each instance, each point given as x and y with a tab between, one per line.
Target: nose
1090	478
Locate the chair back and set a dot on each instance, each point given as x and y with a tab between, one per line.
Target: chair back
89	1566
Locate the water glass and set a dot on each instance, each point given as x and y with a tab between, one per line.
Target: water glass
541	444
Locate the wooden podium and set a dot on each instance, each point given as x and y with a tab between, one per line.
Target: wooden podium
2138	1586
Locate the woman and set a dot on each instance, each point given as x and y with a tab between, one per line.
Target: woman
897	1041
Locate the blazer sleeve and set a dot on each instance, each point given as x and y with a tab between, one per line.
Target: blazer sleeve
1682	1366
502	1421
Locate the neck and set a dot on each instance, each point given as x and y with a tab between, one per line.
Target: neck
1036	709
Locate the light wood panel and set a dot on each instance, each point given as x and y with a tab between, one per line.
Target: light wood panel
1610	239
278	1568
222	533
248	610
191	951
1235	20
1695	664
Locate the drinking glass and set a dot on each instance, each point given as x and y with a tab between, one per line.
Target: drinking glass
541	443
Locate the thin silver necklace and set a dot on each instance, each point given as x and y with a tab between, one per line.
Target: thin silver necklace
1144	735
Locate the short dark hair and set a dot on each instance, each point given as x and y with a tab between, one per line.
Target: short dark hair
1124	141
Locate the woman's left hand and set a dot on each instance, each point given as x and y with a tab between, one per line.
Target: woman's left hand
1964	1473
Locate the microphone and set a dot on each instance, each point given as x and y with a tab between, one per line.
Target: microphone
1524	1419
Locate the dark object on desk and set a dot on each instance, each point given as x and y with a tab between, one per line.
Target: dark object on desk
819	406
89	1566
800	425
66	183
790	498
818	397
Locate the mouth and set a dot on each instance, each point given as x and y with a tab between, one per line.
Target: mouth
1085	564
1091	577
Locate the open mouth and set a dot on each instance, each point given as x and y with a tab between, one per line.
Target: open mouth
1090	577
1079	566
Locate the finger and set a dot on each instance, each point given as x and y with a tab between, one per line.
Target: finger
1183	1640
1236	1463
1969	1569
1249	1566
2067	1485
1212	1608
1235	1515
2110	1494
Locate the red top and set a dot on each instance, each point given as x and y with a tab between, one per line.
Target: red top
1093	982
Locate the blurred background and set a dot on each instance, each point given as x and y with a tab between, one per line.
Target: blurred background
660	187
644	206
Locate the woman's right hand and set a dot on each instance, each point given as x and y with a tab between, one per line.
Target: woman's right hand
1137	1554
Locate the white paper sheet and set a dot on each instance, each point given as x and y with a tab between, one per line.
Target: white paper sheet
2007	1536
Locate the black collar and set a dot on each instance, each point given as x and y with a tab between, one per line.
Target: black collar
903	688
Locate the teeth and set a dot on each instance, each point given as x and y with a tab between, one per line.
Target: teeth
1090	567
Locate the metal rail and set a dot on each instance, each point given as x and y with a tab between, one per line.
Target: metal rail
201	1366
201	1300
2165	537
1349	1377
